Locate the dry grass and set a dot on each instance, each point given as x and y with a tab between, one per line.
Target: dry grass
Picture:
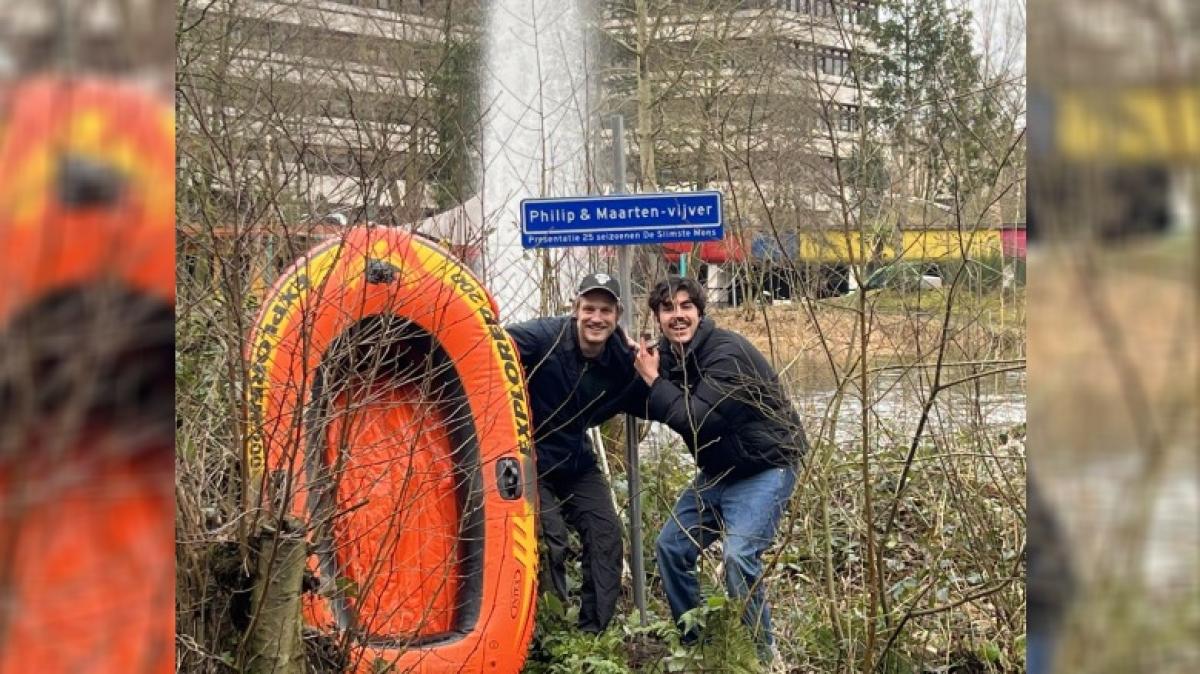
901	327
1099	335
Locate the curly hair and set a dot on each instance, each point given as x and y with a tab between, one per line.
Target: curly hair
665	290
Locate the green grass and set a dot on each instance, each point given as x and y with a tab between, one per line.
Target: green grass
966	303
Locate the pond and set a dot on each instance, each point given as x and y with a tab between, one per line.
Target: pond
991	404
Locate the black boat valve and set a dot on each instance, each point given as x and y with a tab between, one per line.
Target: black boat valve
508	479
381	271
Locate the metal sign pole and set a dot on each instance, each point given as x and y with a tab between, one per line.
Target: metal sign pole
637	565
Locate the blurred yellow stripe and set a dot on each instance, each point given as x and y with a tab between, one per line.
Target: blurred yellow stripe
1144	124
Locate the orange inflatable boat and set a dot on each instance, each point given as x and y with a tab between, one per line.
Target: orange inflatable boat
388	414
87	290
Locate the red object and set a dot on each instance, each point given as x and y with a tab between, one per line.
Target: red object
48	245
714	252
1012	242
402	466
86	504
421	429
92	568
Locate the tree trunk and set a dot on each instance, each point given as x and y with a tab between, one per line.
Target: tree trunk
274	644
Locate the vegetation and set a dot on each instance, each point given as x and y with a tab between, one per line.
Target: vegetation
902	550
952	563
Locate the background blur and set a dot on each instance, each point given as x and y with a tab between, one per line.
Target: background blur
86	348
1114	139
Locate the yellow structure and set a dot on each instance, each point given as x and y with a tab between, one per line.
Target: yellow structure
927	244
1137	124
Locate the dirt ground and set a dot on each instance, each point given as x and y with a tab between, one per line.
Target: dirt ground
787	333
1111	348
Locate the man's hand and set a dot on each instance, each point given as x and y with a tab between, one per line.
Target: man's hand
646	361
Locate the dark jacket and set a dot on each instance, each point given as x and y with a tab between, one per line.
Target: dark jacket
1050	583
726	402
569	394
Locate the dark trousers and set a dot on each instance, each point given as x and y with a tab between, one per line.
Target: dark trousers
585	503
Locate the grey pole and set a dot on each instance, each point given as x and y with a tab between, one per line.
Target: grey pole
636	565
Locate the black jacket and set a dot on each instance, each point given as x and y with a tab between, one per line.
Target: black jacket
726	402
1050	582
563	404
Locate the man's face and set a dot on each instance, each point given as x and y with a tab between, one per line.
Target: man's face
678	318
596	315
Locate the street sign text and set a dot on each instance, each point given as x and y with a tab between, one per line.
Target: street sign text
621	219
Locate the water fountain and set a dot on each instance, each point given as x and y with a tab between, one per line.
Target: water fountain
536	121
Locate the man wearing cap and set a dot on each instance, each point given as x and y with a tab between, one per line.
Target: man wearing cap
579	370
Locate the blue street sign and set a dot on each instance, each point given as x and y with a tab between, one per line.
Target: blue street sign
621	219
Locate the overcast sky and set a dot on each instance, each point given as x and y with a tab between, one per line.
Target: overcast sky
1000	33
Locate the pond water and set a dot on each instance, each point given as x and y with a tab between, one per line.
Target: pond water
1095	497
992	404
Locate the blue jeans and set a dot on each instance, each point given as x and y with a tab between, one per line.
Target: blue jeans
746	512
1040	645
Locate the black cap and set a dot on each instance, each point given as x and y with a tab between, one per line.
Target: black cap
600	281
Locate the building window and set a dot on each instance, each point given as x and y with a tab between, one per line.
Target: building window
391	5
864	13
848	118
833	61
851	13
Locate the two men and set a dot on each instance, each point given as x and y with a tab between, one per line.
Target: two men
579	370
714	389
709	385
